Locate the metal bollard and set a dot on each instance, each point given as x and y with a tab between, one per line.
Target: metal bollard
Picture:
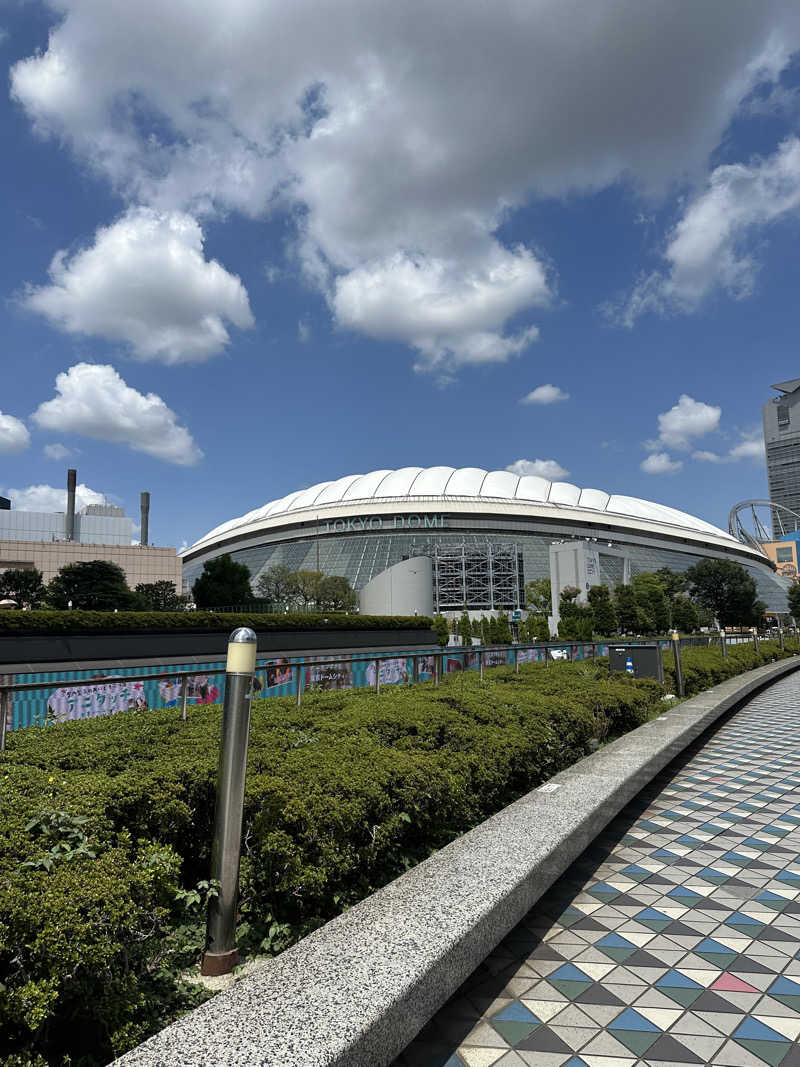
516	661
755	639
377	676
480	663
780	638
414	670
184	687
438	663
298	685
724	644
676	649
221	954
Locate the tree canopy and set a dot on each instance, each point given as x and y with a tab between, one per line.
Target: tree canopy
726	589
275	584
24	586
222	582
95	585
159	596
605	618
538	596
794	601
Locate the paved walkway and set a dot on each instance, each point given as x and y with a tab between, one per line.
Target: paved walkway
674	940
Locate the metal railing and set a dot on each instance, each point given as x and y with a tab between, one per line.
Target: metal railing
425	664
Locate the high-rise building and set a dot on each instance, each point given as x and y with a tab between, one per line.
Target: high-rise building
781	417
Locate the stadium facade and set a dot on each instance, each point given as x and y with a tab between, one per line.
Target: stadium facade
487	533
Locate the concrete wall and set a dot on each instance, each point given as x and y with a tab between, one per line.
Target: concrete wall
139	564
404	589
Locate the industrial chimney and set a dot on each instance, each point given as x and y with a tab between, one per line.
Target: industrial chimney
72	476
145	538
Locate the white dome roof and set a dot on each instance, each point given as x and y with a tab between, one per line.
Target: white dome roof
444	484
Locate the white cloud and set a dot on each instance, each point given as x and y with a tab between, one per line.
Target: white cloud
545	468
57	451
303	331
14	436
451	316
545	394
660	463
49	498
751	446
711	247
94	401
145	282
684	421
398	144
748	450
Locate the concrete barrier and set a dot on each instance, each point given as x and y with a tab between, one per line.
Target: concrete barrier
357	991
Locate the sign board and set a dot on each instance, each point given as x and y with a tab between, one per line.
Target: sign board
640	661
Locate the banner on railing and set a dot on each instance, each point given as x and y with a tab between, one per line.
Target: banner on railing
205	682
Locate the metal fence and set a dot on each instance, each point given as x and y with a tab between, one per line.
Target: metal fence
39	699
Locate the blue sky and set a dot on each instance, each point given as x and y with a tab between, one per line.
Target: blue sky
253	247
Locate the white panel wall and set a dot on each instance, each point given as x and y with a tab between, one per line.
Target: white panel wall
404	589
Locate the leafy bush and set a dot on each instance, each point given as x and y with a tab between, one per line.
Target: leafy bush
706	667
105	828
102	622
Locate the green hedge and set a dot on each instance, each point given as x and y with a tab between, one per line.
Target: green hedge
705	667
102	622
343	794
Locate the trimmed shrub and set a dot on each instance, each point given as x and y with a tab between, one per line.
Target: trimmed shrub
106	824
103	622
706	667
105	827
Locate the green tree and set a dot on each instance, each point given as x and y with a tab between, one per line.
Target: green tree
652	601
335	593
794	601
684	615
275	583
25	586
159	596
628	612
305	587
503	629
538	596
726	589
486	631
672	582
442	630
535	628
94	585
605	618
576	621
222	582
465	629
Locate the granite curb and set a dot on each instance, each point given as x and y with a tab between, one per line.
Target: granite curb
357	991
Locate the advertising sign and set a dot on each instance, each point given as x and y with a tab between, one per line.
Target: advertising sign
392	672
200	689
90	701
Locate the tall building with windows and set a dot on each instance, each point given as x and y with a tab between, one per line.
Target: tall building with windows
781	417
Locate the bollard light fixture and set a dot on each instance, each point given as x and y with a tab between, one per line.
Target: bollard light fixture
221	954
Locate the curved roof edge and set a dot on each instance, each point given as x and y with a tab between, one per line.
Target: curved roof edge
450	484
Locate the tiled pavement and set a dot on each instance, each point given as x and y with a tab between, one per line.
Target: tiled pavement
674	940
